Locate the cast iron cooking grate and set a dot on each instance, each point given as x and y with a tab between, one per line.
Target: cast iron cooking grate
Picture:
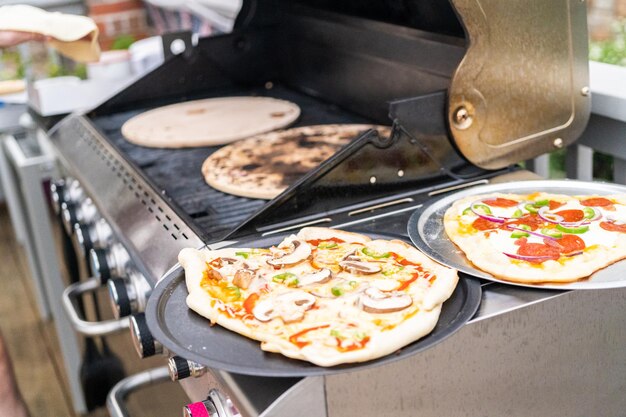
176	173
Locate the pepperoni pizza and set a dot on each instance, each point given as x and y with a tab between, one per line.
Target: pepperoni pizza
539	237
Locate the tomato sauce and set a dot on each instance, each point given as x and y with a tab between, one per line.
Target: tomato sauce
500	202
316	242
405	284
555	205
294	337
354	346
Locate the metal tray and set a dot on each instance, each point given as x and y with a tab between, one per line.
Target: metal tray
189	335
426	230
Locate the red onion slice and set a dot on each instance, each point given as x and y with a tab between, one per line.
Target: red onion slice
549	217
489	217
574	253
528	258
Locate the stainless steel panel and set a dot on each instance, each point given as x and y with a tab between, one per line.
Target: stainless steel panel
564	357
149	229
522	88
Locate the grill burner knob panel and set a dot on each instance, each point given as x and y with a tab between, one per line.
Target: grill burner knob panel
145	344
181	368
106	264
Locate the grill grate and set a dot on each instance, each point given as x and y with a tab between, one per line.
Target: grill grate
176	173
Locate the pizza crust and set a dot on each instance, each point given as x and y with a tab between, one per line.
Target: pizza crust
264	166
487	255
209	122
409	325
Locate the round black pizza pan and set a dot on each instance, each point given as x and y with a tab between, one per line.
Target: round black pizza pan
191	336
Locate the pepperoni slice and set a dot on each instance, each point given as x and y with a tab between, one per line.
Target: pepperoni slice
521	241
596	202
531	220
539	249
555	205
500	202
484	224
571	215
571	243
613	227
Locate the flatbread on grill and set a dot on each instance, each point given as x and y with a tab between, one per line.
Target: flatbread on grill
209	122
325	296
264	166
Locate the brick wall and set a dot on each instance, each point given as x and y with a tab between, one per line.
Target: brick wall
601	14
115	18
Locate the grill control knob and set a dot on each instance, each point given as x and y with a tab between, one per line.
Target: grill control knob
122	297
65	191
106	264
58	195
98	235
217	405
200	409
72	213
129	295
181	368
144	343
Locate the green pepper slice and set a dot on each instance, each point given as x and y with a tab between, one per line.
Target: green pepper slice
531	208
572	230
541	203
327	245
285	276
376	255
243	254
518	233
518	213
589	212
551	233
336	291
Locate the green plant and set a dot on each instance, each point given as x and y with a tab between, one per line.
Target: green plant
123	42
611	51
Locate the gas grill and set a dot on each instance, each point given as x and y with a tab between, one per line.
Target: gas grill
470	88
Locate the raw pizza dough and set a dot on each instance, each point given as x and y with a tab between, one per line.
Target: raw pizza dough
209	122
265	165
591	236
73	36
310	299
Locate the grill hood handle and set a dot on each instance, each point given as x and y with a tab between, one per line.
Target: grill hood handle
116	404
89	328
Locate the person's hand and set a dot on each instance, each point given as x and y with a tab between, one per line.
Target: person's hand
11	38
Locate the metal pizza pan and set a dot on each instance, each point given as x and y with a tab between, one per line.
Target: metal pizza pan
191	336
426	230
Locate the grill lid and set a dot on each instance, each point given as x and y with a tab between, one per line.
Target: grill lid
522	87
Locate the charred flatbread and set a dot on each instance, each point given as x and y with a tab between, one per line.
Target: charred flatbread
539	237
325	296
264	166
209	122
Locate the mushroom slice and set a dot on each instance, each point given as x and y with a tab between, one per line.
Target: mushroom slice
318	277
375	301
290	307
358	267
301	251
243	278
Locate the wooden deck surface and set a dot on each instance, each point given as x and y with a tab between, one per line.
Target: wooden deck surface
34	351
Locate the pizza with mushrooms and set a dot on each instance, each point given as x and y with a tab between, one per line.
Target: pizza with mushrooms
539	237
325	296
